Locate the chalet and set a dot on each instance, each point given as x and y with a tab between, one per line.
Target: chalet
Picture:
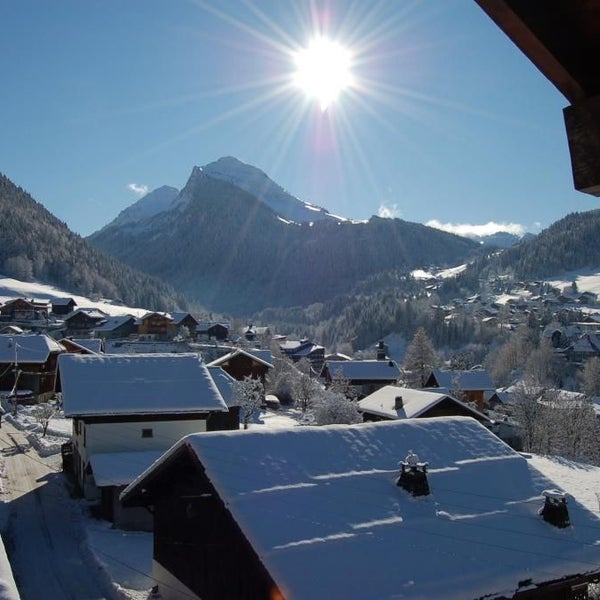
240	363
82	321
133	403
156	326
118	327
365	376
298	350
585	347
63	306
471	386
20	310
35	357
212	330
185	320
333	520
391	402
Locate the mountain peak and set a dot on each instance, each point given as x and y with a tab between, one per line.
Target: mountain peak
256	182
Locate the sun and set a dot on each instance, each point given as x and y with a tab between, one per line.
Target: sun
323	70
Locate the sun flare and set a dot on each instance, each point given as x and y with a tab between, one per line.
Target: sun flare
323	70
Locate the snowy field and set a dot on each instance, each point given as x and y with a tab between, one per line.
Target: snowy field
125	558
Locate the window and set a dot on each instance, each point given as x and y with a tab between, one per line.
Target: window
147	433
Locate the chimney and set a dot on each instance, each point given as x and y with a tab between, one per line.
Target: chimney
555	509
398	403
381	351
413	475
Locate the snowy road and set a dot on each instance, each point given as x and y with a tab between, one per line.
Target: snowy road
43	535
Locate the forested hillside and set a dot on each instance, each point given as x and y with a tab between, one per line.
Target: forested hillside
35	244
571	243
226	249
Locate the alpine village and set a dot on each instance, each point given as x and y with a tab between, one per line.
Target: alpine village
259	399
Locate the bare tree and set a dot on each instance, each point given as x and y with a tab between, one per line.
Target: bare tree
42	413
249	394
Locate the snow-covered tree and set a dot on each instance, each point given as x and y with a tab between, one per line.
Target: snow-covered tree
333	407
420	359
42	413
305	389
249	394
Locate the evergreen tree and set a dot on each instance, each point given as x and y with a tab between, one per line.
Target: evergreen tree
420	359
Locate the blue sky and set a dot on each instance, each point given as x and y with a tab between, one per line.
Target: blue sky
447	120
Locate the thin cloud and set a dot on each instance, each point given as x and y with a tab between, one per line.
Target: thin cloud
140	190
389	211
467	230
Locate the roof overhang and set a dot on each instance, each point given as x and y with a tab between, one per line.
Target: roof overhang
562	39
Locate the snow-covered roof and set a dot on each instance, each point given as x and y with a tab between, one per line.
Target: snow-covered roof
373	370
93	313
321	508
263	354
34	348
92	344
127	384
224	382
62	301
121	468
477	379
180	316
222	360
113	322
414	403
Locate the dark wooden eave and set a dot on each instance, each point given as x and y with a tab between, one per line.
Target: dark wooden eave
562	39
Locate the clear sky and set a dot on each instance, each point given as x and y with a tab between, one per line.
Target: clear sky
444	118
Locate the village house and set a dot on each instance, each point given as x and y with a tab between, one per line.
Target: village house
34	357
392	402
63	306
82	321
21	311
82	346
304	349
156	326
118	327
184	323
213	330
441	509
240	363
132	403
474	386
364	376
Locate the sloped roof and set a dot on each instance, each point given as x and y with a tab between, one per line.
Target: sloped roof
478	379
180	316
239	352
121	468
321	508
414	403
125	384
372	370
30	348
93	313
112	323
92	344
224	382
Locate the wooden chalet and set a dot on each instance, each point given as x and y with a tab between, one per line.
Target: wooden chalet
133	403
297	350
155	325
392	402
63	306
33	359
20	310
474	386
183	319
365	376
118	327
82	321
240	363
212	330
336	521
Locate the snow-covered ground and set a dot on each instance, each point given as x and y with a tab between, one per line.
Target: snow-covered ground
13	288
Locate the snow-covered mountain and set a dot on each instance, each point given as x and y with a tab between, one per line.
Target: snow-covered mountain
258	184
151	204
